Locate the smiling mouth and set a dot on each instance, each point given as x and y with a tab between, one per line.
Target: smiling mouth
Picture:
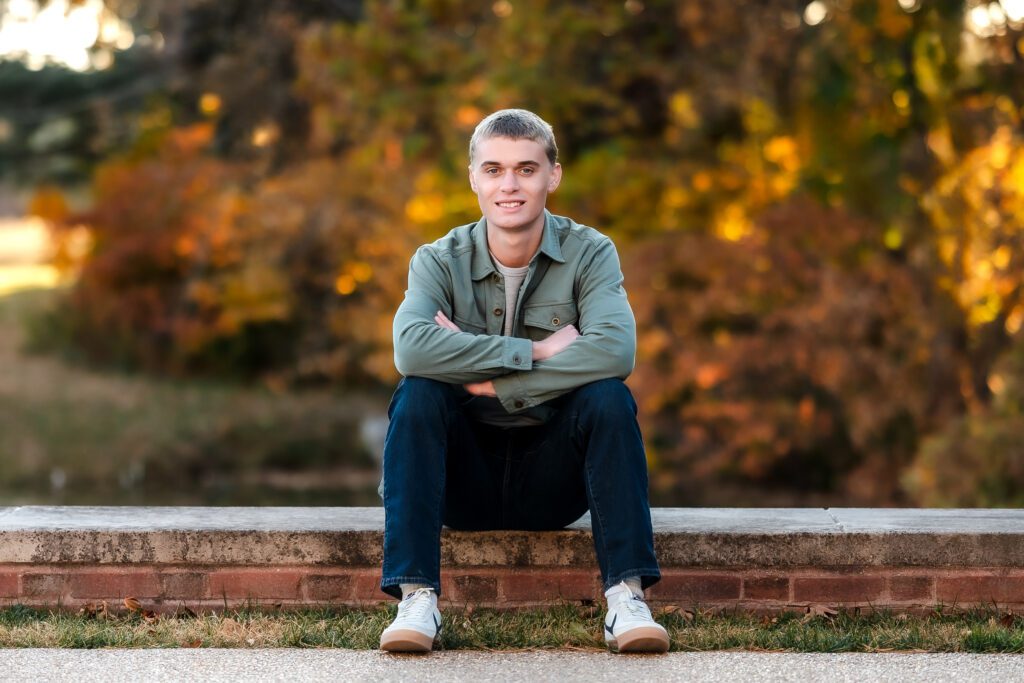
510	205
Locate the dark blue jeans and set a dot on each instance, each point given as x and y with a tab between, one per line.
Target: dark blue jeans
441	466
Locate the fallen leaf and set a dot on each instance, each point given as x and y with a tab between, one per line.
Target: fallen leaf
768	620
192	643
670	609
88	610
185	613
150	616
1008	619
133	604
823	611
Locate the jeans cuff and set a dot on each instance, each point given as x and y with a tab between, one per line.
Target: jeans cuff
393	588
648	577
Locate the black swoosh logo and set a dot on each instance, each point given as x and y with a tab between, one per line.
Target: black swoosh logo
611	628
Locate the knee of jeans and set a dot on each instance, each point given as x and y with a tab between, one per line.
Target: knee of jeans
417	395
606	399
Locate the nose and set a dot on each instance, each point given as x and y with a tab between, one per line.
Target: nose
509	181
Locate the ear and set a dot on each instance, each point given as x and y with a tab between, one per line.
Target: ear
556	178
472	180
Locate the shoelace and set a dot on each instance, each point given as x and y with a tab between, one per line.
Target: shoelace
637	607
418	605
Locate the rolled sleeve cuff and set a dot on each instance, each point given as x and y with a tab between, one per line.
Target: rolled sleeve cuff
517	354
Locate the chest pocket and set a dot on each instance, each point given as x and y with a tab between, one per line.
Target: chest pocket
543	319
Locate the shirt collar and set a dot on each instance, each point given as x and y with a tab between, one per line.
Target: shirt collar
482	265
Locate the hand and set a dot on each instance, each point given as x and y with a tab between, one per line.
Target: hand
481	388
556	343
442	320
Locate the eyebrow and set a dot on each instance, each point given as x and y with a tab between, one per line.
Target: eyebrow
521	163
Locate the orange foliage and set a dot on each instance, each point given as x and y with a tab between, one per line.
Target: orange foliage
201	265
792	356
821	231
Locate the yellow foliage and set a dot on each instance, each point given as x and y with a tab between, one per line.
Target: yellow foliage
425	208
732	223
49	204
977	211
209	103
759	118
782	150
684	113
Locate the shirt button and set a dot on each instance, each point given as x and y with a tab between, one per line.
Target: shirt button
518	404
555	321
517	360
498	311
496	278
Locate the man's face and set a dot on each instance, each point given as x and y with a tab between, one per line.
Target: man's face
512	179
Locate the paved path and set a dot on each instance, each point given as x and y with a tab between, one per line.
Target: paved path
348	665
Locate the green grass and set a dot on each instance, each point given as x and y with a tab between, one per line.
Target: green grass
484	629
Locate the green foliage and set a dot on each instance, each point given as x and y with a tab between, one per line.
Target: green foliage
56	124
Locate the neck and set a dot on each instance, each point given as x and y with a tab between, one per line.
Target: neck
514	250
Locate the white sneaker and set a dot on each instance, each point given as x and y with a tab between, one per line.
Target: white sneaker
417	625
629	626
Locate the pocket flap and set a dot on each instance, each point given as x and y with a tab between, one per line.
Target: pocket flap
550	316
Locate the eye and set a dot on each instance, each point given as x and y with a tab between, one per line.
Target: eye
526	170
491	171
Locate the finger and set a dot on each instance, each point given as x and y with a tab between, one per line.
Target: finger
451	325
447	324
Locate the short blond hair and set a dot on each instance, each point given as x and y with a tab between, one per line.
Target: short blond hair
517	124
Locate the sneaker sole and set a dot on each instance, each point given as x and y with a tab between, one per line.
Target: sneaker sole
643	639
406	640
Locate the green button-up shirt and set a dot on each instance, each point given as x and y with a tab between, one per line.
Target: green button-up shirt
580	284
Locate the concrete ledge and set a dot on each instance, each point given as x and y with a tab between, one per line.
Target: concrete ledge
726	557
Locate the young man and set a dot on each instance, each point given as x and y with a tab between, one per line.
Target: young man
513	339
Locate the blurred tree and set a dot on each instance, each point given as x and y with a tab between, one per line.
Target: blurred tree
820	229
794	357
56	123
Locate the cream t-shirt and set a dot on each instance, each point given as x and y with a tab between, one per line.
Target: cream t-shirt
513	283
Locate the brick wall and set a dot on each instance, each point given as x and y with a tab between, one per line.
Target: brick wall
751	559
167	588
